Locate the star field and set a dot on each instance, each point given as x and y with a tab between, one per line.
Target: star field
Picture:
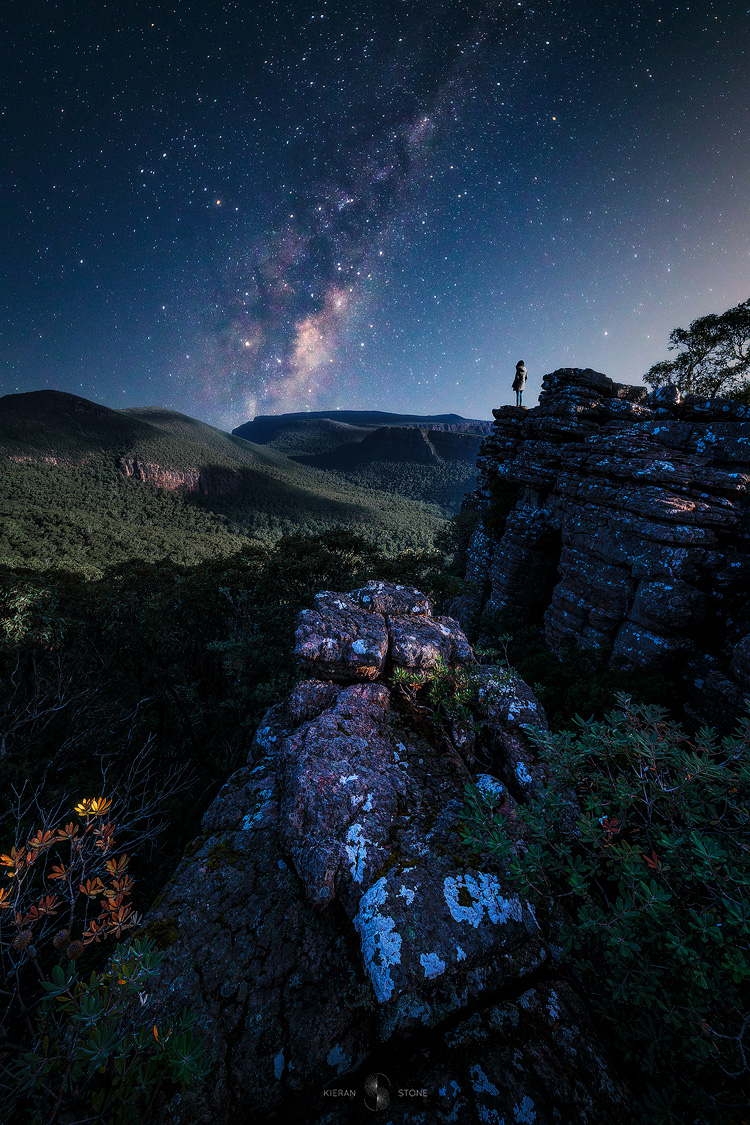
235	208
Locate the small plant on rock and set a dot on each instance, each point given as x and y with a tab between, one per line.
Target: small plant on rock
449	689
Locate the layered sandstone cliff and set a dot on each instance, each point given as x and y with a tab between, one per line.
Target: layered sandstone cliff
206	481
621	519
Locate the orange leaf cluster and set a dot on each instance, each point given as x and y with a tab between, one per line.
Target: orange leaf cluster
116	917
47	904
18	859
118	866
41	841
123	886
68	831
105	836
92	887
112	890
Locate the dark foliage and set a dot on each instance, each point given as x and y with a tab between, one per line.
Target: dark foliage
139	625
713	356
654	882
577	682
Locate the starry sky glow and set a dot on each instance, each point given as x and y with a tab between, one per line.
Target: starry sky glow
231	208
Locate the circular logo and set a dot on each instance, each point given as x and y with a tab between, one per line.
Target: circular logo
377	1094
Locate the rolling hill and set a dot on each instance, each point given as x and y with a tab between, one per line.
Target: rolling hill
83	487
320	431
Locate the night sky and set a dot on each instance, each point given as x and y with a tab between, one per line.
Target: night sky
241	208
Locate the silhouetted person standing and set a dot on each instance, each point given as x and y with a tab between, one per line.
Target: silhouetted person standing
519	383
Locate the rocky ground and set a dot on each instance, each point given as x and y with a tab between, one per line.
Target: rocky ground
345	953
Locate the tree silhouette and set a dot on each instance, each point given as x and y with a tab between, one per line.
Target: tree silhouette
714	359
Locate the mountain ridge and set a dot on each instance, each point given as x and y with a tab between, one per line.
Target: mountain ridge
83	485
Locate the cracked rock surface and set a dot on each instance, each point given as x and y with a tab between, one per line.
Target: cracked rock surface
330	923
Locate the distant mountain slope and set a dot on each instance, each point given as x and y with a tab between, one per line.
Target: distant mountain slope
402	444
300	438
73	429
428	457
50	423
316	431
76	489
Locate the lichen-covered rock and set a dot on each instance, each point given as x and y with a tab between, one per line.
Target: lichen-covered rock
250	950
341	785
434	920
349	636
505	698
330	909
463	737
393	599
628	529
525	1061
420	642
338	640
309	699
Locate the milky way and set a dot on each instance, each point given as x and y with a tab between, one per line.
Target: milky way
281	315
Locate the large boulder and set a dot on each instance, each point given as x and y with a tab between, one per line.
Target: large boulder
339	640
340	945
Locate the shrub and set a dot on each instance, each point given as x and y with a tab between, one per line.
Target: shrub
92	1053
88	877
81	1044
450	689
655	880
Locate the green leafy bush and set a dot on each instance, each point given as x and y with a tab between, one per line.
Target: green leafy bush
655	880
93	1056
450	689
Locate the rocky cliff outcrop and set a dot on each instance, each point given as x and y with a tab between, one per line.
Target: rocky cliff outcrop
207	481
621	519
342	948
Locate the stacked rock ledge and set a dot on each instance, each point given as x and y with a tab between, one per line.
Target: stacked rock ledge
329	920
620	519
